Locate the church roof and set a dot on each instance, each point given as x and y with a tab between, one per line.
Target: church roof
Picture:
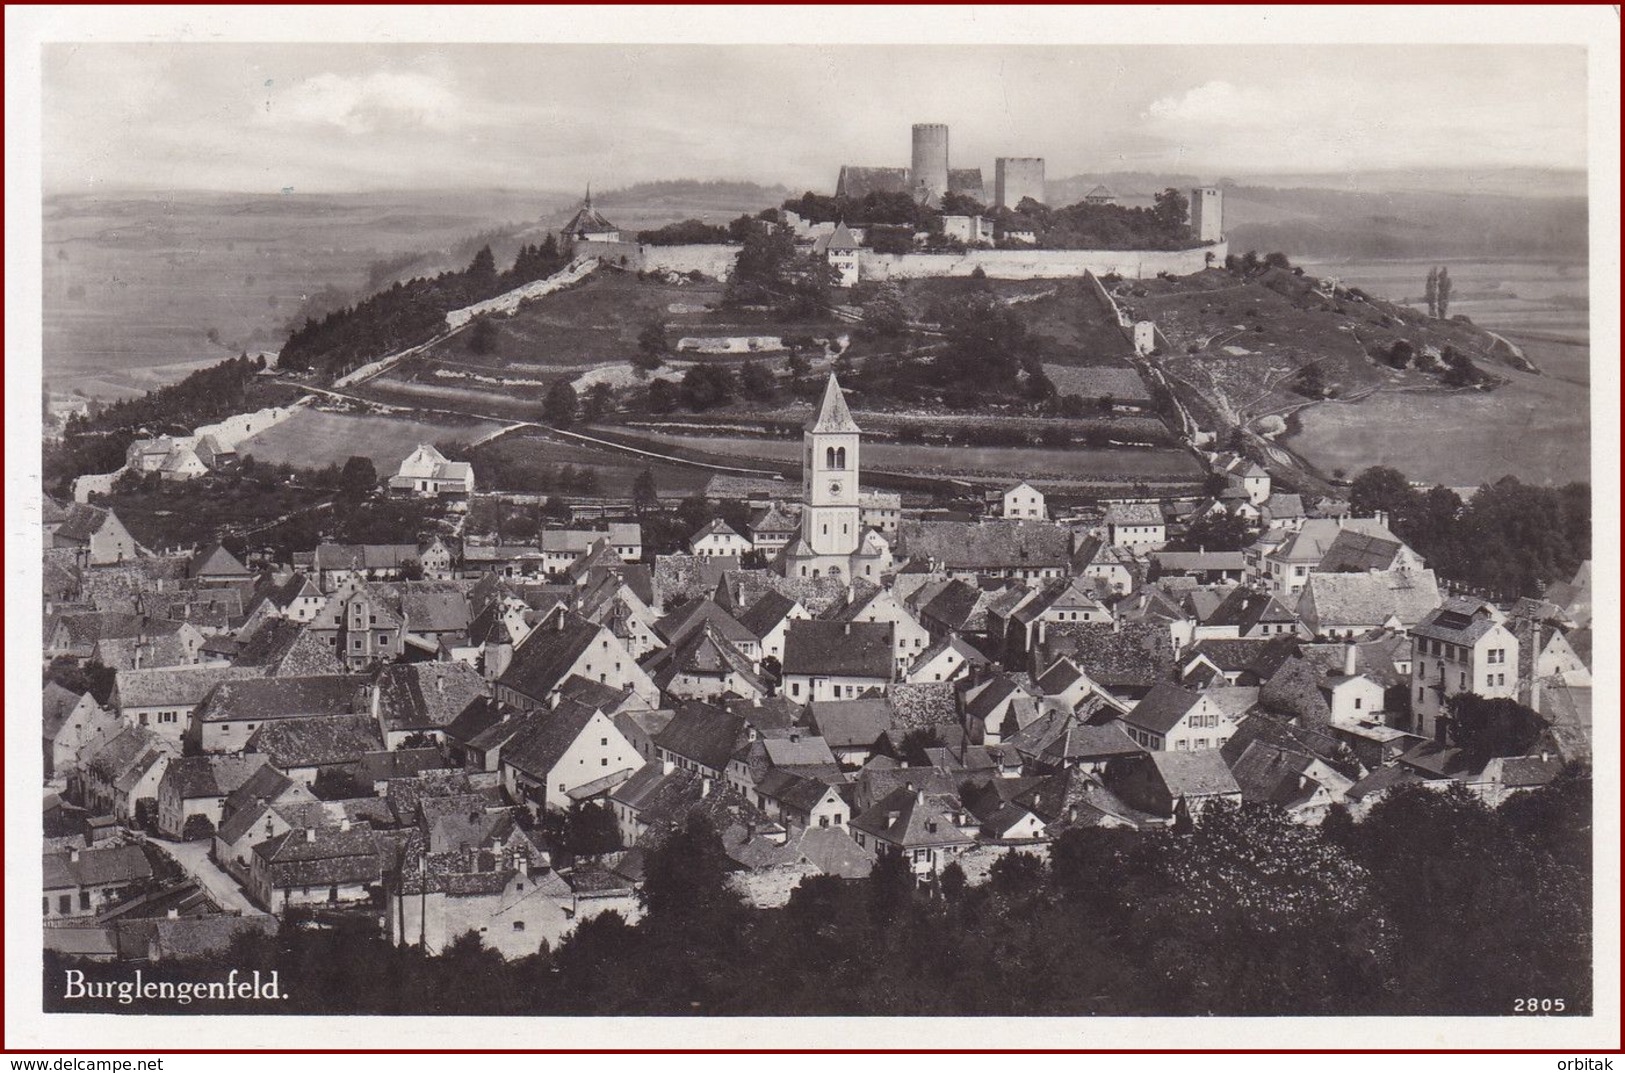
833	416
588	220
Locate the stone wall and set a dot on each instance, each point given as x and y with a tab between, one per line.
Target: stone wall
711	259
1038	264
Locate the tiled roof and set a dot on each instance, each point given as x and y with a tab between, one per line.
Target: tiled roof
1447	624
181	687
1134	514
1162	708
285	647
704	653
210	776
1123	655
419	696
216	561
913	819
319	741
857	649
96	867
322	856
82	523
1245	608
1194	774
1353	552
833	415
846	724
545	737
766	613
958	606
279	698
546	657
705	734
1294	690
990	544
1260	657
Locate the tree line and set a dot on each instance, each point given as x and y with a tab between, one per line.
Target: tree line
1511	539
410	313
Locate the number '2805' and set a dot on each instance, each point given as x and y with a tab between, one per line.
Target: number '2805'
1537	1005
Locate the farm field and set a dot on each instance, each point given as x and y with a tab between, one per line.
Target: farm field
1536	428
1550	298
985	462
313	438
514	463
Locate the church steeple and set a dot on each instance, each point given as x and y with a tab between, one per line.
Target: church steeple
833	416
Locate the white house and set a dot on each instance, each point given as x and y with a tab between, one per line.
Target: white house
426	472
1460	648
1172	719
1024	501
1136	525
716	539
572	753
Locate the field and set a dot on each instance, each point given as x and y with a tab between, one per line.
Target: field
513	462
311	439
1536	428
1071	464
1544	297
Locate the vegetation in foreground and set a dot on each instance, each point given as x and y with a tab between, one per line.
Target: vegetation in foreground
1432	905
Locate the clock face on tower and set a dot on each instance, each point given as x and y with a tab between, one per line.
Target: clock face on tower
834	488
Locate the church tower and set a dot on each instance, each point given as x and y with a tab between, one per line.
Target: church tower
830	515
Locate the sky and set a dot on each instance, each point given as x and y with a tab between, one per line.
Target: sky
336	117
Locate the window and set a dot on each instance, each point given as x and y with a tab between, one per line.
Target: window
603	761
519	925
1500	679
603	741
383	638
84	899
356	644
64	904
1359	702
1421	692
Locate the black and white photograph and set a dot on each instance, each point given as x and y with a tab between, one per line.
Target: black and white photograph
968	514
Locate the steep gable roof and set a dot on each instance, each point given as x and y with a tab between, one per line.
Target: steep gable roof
546	736
319	741
833	415
856	649
543	660
1162	708
846	724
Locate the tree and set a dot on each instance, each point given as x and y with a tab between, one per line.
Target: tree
358	477
411	570
1433	292
1172	209
662	397
891	887
559	407
482	338
597	403
1016	874
706	385
645	493
1215	532
1444	293
591	829
197	826
686	880
482	271
911	750
652	347
883	313
1489	728
953	881
755	381
1277	260
1311	382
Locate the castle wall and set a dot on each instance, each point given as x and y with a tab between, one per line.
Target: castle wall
1038	264
711	259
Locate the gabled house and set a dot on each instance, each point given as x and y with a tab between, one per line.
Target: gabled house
703	739
419	700
946	660
572	753
85	882
1023	501
95	534
881	605
1461	647
306	749
704	666
570	645
1138	526
717	538
853	729
234	709
426	472
1166	784
768	620
317	866
1305	786
197	786
1247	614
1014	548
1351	605
1177	720
67	716
837	660
926	830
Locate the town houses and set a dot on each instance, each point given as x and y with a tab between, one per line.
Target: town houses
402	731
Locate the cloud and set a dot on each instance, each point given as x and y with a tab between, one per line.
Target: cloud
362	104
1215	103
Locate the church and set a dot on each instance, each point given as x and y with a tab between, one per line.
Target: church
833	541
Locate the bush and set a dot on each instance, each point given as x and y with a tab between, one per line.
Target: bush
197	826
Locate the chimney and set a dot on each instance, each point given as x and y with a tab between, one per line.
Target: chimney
846	628
666	767
1534	690
705	786
439	682
1351	654
73	854
909	786
344	824
795	735
919	797
310	834
376	695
